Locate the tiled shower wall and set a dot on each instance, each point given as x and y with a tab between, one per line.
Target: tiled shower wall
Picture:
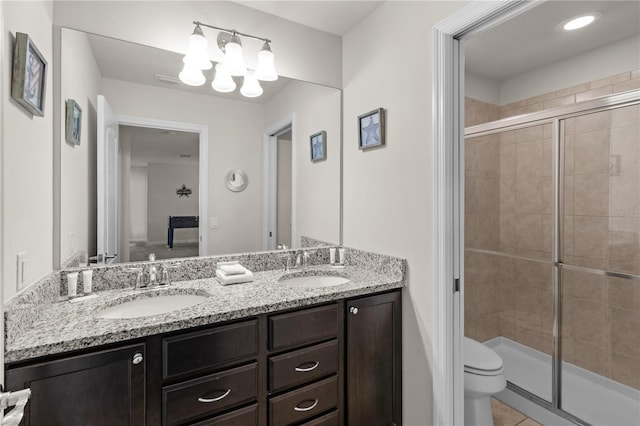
509	209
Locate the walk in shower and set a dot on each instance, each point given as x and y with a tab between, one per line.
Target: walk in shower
552	254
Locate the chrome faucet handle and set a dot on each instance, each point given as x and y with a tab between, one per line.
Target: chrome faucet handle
165	276
287	257
139	278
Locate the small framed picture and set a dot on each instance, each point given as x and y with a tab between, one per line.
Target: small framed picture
28	85
73	122
318	146
371	129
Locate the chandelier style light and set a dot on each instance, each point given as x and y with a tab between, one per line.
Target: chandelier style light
229	62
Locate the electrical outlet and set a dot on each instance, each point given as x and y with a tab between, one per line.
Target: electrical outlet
21	270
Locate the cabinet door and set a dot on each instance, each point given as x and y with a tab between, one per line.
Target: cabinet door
101	388
374	360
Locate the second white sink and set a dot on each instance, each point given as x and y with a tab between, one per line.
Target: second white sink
311	281
148	306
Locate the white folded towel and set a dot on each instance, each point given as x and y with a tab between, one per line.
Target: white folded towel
232	269
225	279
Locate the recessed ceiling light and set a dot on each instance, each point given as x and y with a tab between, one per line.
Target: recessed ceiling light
580	21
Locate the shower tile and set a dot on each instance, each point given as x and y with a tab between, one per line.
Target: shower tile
626	116
624	294
484	299
531	133
626	85
541	98
625	370
507	138
583	286
625	332
547	195
547	157
624	239
483	327
591	152
610	80
625	142
591	195
573	90
529	158
569	195
529	306
482	195
594	93
625	195
592	357
591	323
529	195
593	121
529	231
568	236
507	231
547	231
507	161
507	195
635	74
556	102
569	126
569	154
591	237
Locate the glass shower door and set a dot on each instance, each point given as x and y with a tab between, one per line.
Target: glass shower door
600	266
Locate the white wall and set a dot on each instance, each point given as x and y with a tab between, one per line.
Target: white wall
80	79
27	154
235	142
138	204
301	52
481	88
162	200
388	191
316	108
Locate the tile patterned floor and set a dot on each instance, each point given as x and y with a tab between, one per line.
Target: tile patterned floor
503	415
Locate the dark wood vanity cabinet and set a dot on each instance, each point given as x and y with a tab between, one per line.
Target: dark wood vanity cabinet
374	360
334	364
106	387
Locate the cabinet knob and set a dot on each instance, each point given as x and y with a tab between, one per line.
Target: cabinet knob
353	310
137	358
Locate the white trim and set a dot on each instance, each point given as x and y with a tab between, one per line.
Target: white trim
448	123
2	263
269	181
203	165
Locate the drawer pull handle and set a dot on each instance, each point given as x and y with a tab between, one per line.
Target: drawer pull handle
305	370
309	408
207	400
137	358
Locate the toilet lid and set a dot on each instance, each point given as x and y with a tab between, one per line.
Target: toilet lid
479	358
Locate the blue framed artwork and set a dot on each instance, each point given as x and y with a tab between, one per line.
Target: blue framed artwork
318	146
73	122
371	129
28	82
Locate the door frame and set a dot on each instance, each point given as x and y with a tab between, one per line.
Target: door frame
203	165
448	198
270	181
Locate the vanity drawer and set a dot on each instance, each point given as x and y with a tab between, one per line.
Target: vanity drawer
301	404
209	394
204	350
330	419
303	365
247	416
307	326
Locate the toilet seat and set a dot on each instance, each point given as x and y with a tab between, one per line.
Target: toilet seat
480	360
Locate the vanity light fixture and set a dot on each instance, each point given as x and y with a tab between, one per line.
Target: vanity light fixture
230	62
581	21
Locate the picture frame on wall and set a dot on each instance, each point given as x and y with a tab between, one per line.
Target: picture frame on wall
371	129
73	122
29	77
318	146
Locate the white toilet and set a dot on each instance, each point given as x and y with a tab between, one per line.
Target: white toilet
483	377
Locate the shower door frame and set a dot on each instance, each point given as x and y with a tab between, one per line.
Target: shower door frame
556	117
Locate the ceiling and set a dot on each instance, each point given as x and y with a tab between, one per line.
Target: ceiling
137	63
531	40
161	146
335	17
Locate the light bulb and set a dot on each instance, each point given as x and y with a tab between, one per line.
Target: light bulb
251	88
265	70
223	82
192	75
197	53
233	60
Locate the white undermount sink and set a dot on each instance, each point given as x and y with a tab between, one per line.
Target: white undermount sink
148	306
313	281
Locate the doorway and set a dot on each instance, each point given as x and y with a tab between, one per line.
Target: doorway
283	191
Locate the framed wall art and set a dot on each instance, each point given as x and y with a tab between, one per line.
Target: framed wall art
371	129
318	146
28	84
73	122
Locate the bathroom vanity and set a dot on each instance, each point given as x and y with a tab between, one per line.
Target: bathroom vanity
261	353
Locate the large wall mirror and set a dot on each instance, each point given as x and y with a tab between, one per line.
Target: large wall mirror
149	173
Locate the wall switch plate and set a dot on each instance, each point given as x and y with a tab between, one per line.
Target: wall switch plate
213	222
21	270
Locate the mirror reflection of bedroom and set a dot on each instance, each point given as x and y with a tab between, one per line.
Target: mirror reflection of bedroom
162	184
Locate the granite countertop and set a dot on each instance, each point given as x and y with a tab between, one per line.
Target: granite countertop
64	326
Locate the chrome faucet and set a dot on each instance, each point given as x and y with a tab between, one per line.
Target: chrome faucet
302	259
